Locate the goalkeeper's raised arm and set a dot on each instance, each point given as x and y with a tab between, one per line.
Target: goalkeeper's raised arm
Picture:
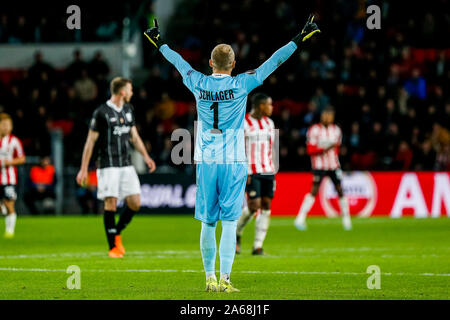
249	80
188	74
282	54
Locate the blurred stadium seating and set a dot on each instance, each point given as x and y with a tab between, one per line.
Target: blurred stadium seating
389	87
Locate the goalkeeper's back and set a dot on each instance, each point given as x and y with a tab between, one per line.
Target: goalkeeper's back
221	104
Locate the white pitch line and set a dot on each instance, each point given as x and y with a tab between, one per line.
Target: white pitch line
427	274
184	254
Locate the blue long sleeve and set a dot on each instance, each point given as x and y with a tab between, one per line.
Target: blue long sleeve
174	58
190	76
271	64
252	79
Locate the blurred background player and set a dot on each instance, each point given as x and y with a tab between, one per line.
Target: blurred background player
11	155
259	136
113	125
323	142
221	175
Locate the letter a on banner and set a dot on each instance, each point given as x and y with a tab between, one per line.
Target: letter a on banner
409	195
441	194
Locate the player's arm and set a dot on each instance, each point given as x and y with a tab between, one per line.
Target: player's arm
312	149
139	145
312	142
184	68
336	145
87	154
257	77
15	162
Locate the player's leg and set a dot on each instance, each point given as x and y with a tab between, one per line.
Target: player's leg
227	252
133	203
108	190
109	221
9	196
3	208
208	248
253	188
308	201
263	220
207	211
130	189
10	219
231	183
336	177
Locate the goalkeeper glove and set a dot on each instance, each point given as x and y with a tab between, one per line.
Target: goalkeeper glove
308	31
154	36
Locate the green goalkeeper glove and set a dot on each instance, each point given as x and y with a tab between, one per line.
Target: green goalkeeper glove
154	36
308	31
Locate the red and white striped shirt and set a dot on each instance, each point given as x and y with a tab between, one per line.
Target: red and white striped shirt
10	148
320	138
259	138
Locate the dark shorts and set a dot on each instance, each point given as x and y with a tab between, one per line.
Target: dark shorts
261	185
8	192
335	176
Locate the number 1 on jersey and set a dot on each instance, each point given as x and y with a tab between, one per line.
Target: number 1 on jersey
215	107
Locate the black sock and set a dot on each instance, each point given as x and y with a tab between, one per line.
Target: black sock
125	219
110	227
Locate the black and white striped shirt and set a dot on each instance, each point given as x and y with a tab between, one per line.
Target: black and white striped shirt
113	125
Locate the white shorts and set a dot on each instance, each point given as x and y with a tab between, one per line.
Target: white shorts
117	182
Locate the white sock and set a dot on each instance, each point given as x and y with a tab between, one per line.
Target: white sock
10	222
261	226
307	203
211	275
243	221
225	276
345	212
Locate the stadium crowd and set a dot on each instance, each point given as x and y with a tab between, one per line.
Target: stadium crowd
389	87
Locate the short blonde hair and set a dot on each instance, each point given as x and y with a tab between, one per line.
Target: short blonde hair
118	83
222	57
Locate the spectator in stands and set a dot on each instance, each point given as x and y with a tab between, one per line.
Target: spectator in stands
98	68
165	109
403	158
425	157
440	136
75	68
325	67
20	32
4	28
39	66
85	87
354	140
416	85
376	139
42	187
320	99
445	116
441	68
43	32
443	158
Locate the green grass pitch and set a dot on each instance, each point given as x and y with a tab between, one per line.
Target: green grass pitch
163	260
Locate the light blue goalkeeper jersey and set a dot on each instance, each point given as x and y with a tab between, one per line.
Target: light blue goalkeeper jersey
221	105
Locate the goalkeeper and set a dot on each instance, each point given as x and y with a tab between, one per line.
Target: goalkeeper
221	169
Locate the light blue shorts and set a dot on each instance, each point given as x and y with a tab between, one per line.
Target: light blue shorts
220	191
